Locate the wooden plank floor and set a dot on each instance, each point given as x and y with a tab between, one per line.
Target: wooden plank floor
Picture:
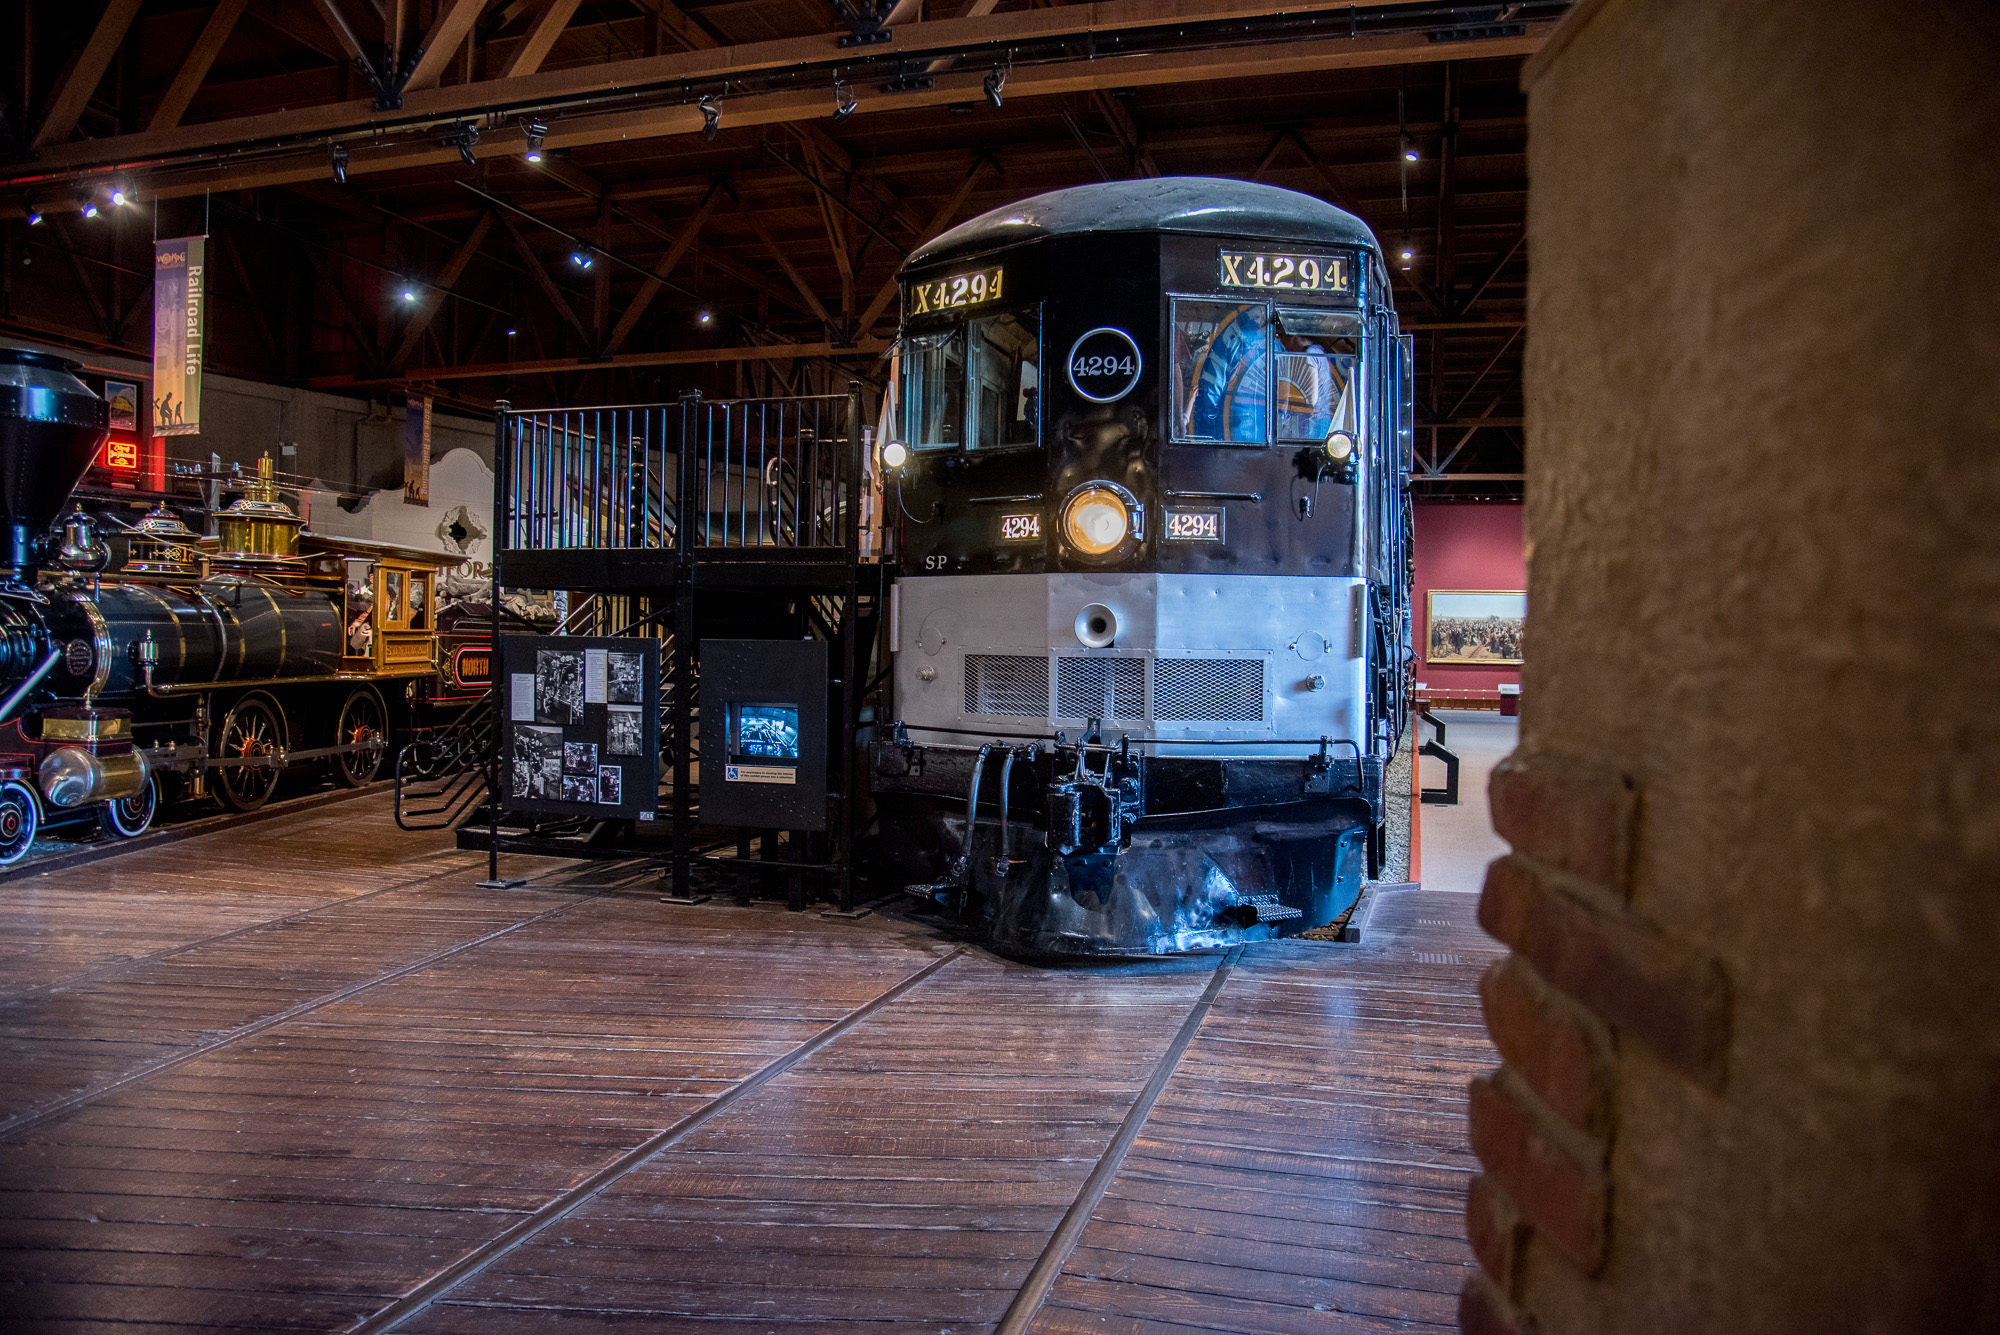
308	1076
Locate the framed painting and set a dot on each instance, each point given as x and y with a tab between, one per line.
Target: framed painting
1480	626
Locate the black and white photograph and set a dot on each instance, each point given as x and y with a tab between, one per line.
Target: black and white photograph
537	762
626	679
579	757
624	735
559	686
611	785
579	787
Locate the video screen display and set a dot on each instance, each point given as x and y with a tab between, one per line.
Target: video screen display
764	733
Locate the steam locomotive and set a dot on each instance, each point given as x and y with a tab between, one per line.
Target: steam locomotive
1151	633
212	663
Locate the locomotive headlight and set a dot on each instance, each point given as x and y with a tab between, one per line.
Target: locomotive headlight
1340	446
894	454
1096	519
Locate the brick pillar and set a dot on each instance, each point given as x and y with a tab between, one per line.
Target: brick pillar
1750	1026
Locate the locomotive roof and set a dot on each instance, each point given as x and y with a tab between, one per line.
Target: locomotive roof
1209	205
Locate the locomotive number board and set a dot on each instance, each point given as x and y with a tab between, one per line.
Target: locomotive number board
949	294
1277	270
1204	525
1021	528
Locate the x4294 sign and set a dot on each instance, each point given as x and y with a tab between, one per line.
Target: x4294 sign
949	294
1284	272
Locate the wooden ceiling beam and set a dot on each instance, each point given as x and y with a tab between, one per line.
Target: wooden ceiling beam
1068	22
447	279
945	213
73	94
541	39
1079	76
194	69
864	347
448	32
650	288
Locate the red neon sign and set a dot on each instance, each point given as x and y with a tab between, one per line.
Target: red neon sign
121	454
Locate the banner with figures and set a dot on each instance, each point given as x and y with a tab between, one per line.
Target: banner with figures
180	289
417	450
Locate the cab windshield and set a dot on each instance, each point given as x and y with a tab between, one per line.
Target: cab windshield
975	387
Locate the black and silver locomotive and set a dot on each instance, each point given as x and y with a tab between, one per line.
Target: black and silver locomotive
215	661
1151	629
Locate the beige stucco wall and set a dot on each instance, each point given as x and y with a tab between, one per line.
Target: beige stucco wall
1764	513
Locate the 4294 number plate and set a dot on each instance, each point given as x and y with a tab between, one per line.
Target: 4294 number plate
1203	525
1283	272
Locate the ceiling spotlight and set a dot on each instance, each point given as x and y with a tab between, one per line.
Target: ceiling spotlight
580	258
409	294
1409	151
844	101
704	317
86	205
34	217
711	117
510	333
463	138
995	81
535	132
119	197
338	156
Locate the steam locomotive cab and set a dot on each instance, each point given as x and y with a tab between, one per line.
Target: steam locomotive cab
1149	632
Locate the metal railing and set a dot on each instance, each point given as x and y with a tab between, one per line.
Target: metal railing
746	473
442	777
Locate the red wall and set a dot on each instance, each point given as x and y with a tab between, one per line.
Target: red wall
1466	546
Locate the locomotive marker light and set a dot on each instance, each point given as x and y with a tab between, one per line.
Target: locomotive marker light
1099	517
1104	365
895	454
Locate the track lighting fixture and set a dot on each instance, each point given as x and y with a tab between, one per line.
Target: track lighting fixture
711	117
1409	149
463	138
535	132
844	101
995	82
86	205
34	217
338	156
704	317
119	198
409	294
580	258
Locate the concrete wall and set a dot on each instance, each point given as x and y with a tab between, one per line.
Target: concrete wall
350	444
1466	546
1752	1024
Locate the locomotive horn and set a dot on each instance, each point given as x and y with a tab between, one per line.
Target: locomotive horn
51	427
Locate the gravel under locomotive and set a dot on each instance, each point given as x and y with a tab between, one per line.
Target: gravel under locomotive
216	662
1151	632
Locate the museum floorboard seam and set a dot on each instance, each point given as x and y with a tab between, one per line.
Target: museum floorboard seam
305	1075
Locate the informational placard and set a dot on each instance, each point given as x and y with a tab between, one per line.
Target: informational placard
768	701
582	736
180	290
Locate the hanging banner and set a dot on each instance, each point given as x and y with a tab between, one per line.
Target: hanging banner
179	290
417	450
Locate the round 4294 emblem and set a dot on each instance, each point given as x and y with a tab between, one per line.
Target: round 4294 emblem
79	657
1104	365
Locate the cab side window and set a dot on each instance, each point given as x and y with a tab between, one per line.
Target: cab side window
1221	372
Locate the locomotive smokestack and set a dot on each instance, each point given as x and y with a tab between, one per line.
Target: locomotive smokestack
51	427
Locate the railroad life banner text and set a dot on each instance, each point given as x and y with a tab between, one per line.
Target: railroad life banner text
180	287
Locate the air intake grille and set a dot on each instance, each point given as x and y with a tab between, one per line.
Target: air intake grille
1007	684
1209	690
1100	688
